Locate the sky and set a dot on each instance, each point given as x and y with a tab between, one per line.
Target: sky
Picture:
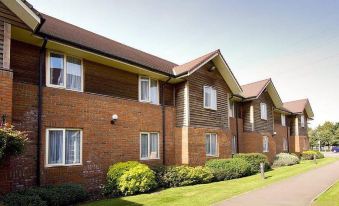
296	43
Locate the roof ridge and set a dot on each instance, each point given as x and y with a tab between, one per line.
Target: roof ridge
268	79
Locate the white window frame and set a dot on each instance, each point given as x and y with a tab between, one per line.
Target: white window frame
285	144
232	108
212	89
48	71
149	146
216	145
265	140
252	117
263	111
234	145
64	147
149	90
283	120
302	120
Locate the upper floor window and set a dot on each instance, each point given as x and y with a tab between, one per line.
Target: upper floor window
148	90
263	111
210	98
149	145
283	120
211	144
64	72
302	121
63	147
265	144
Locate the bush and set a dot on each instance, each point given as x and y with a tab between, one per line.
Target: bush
226	169
308	155
285	159
12	142
185	175
114	174
138	179
254	159
65	194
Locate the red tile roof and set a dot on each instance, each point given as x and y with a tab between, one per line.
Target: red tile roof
254	89
296	106
189	66
60	30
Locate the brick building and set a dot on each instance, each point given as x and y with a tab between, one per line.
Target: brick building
88	102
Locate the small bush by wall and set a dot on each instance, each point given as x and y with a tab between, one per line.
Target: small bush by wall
254	159
177	176
66	194
225	169
308	155
285	159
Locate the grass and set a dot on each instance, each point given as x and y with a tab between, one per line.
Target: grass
329	198
206	194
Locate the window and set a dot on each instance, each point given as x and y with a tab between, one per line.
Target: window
285	144
283	120
252	117
149	145
232	109
234	145
263	111
211	145
63	147
64	72
148	90
265	144
302	121
210	98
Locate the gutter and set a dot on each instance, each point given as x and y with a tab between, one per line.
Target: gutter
40	99
164	121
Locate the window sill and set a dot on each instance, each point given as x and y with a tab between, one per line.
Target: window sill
209	155
147	102
64	88
145	159
62	165
210	109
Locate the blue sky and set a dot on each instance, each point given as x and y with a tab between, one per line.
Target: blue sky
296	43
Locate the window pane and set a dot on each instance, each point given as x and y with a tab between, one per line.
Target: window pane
144	145
154	92
57	69
55	146
208	144
73	74
154	144
72	146
213	144
207	93
234	145
144	89
213	99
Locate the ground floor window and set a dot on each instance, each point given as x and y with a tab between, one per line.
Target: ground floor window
63	146
285	144
149	145
265	144
211	144
234	145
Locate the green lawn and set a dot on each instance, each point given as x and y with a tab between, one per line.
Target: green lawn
207	194
329	198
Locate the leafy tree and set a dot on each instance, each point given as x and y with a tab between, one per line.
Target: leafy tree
327	133
12	142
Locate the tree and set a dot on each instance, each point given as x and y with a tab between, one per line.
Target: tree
327	133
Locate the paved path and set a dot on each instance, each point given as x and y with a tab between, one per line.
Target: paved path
295	191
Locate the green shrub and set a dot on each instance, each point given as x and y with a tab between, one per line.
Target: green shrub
185	175
138	179
254	159
114	173
308	155
65	194
226	169
159	174
285	159
12	142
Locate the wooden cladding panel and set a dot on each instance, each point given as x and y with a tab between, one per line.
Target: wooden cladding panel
180	103
199	116
261	125
2	34
246	116
9	17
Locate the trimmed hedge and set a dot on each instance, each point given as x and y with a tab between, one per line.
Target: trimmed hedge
138	179
129	178
254	159
226	169
308	155
65	194
285	159
185	175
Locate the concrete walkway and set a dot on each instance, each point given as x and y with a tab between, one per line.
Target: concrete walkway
295	191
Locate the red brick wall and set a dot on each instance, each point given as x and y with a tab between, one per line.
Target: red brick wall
281	134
